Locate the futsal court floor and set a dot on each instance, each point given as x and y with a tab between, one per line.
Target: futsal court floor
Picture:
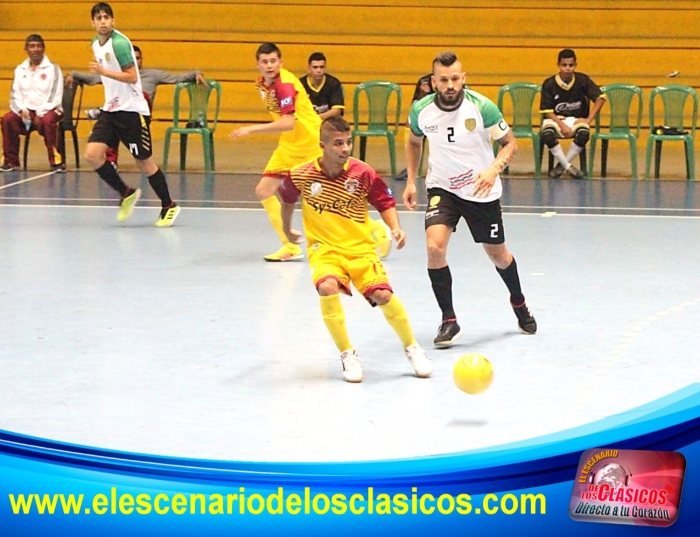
184	342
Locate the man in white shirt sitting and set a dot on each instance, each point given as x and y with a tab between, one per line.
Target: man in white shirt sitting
35	104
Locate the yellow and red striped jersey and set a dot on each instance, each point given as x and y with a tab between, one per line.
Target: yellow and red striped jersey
335	210
286	95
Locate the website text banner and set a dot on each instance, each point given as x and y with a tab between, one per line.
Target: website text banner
52	488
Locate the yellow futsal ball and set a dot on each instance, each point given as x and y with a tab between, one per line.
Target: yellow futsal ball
473	373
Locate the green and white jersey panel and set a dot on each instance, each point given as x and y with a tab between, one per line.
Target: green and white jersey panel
115	55
460	142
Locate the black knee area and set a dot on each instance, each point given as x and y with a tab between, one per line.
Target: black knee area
581	137
549	137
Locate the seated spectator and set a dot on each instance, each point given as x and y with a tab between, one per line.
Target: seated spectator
325	91
565	105
150	80
35	104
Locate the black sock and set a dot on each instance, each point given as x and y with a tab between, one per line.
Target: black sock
160	187
512	281
441	280
110	176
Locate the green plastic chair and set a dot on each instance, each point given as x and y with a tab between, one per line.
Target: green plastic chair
673	98
382	120
522	96
202	119
625	124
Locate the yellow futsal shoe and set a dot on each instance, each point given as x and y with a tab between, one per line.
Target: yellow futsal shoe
288	252
127	204
382	236
167	216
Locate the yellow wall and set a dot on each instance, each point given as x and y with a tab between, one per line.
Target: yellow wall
498	41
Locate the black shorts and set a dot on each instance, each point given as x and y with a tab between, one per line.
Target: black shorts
130	128
485	220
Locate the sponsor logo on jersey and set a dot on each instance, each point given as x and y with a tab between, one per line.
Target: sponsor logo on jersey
470	124
567	107
286	101
432	129
461	180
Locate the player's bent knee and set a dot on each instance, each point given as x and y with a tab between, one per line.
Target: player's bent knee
266	188
328	287
380	296
581	136
549	137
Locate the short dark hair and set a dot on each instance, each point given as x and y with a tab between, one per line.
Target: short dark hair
317	57
566	54
137	49
445	58
267	48
333	124
99	8
34	38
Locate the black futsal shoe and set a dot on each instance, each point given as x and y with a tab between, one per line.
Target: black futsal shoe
448	333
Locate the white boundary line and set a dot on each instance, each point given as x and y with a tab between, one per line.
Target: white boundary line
26	180
402	211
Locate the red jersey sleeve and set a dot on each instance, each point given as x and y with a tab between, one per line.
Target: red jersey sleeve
286	95
288	190
379	196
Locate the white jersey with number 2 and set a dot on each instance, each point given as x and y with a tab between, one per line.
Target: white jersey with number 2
460	142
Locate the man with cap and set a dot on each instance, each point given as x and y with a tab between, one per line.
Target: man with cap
35	104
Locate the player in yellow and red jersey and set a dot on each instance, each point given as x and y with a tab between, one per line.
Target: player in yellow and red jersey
335	191
293	116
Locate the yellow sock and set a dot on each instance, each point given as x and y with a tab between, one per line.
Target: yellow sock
398	319
334	317
274	213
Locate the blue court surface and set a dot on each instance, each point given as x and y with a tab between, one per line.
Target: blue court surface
184	342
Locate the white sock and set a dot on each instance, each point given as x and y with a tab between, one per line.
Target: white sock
574	151
558	153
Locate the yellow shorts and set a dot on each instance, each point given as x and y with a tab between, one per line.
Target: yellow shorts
365	271
283	160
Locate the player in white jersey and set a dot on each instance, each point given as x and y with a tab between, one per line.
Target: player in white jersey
125	117
462	182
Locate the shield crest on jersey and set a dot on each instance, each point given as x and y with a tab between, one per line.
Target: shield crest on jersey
470	124
351	185
107	57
